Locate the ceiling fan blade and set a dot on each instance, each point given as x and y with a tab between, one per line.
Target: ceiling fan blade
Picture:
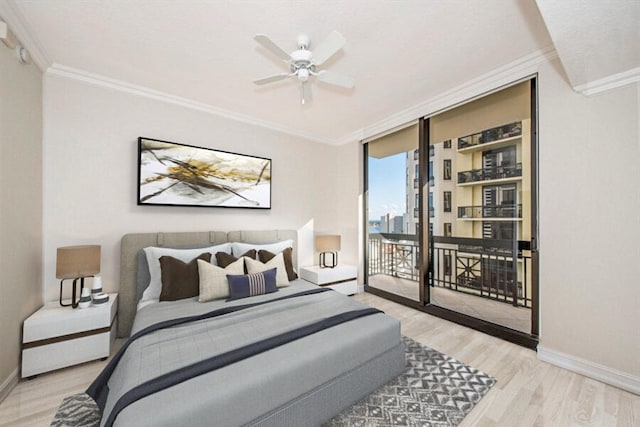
325	50
271	79
305	93
336	79
267	43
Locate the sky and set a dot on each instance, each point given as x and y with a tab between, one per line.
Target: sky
387	186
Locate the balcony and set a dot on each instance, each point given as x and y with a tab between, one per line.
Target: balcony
416	183
394	255
487	272
504	211
503	172
493	136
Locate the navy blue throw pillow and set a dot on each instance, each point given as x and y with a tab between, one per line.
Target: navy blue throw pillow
248	285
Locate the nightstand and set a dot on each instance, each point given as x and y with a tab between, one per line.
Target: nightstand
56	337
342	278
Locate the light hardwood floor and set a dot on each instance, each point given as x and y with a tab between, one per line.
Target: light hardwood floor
528	392
500	313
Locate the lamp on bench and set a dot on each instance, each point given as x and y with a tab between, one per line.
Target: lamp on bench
76	262
328	246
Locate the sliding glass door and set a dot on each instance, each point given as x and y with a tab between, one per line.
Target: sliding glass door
481	208
393	214
450	206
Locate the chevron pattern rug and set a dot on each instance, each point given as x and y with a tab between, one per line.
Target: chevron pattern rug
435	390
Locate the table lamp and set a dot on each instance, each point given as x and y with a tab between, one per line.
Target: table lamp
328	246
76	262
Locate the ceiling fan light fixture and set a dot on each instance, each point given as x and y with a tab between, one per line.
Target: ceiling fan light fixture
303	74
303	63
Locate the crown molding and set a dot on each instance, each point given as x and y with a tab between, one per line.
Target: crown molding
516	70
613	81
18	24
145	92
519	69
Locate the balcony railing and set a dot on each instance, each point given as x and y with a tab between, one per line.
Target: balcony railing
487	271
490	135
486	174
394	255
490	211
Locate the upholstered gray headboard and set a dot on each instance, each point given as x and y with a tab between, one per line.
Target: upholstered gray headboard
131	245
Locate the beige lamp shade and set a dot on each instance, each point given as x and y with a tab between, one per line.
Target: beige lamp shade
77	261
328	243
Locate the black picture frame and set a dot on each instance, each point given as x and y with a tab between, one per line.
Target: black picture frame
174	174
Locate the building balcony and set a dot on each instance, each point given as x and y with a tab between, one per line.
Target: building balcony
416	183
492	212
502	173
480	267
495	137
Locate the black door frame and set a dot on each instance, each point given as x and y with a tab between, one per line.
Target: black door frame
500	331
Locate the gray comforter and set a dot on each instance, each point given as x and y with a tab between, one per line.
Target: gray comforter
250	389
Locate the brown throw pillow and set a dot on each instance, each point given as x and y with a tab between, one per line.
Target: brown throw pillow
224	259
265	256
179	279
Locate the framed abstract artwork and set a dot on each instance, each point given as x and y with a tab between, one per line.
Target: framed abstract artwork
171	174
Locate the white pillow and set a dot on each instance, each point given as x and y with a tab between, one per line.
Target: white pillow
213	279
240	248
152	293
277	261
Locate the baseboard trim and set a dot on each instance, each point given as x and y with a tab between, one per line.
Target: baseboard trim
8	385
590	369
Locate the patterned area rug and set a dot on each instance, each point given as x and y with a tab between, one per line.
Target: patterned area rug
435	390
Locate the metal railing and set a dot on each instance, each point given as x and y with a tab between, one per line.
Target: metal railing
488	272
394	255
490	211
481	267
490	135
487	174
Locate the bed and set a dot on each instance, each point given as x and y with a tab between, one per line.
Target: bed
296	357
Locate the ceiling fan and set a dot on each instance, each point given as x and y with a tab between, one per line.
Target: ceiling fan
303	63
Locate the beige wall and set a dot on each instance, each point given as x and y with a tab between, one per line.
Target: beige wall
90	175
20	204
589	154
589	233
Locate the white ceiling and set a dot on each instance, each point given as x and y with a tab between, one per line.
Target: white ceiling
401	53
597	41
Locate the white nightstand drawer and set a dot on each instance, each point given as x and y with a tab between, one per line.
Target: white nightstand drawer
44	358
56	337
342	278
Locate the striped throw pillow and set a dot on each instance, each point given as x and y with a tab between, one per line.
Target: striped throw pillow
248	285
